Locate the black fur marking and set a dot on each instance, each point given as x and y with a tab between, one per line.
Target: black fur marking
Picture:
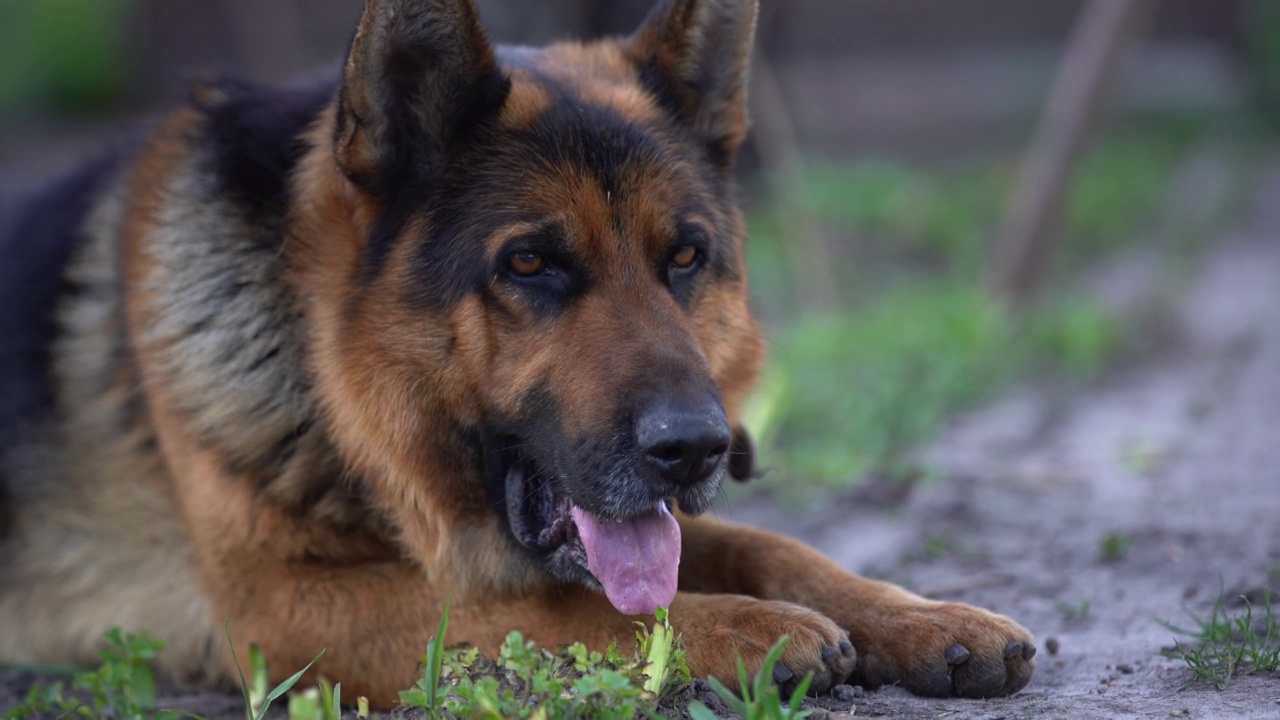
715	151
604	142
452	264
36	244
409	176
661	87
253	138
399	210
532	435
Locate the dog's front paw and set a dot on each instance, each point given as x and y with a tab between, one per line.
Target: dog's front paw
945	649
723	628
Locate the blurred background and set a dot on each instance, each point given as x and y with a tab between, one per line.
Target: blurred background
947	201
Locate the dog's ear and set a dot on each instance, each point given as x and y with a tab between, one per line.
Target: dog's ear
694	55
420	75
742	455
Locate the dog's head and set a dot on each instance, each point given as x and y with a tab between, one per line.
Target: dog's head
543	259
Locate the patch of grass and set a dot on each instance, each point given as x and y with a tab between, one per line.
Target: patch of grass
758	699
1114	546
524	682
1142	458
932	547
1074	611
1226	644
852	394
323	702
68	54
258	695
121	687
529	682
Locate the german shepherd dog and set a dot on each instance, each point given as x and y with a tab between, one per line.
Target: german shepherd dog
465	322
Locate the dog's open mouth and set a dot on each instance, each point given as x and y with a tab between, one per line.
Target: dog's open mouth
636	559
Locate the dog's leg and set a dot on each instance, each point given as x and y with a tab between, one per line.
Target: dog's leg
295	586
374	622
930	647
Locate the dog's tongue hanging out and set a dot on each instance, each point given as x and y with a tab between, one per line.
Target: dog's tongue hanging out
637	560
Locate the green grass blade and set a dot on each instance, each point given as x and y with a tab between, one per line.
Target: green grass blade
764	678
729	697
801	690
698	711
244	687
285	686
435	662
742	680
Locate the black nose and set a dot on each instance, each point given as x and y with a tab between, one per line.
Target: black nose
685	439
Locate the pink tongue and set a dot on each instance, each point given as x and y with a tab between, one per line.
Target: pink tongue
637	560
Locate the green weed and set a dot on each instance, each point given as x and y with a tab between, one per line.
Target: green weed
526	681
1226	644
258	696
759	699
1075	611
121	687
69	54
848	395
323	702
1114	546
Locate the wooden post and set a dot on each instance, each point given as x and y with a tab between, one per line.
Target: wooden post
1027	235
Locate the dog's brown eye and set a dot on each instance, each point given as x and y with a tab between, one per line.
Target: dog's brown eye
526	263
685	256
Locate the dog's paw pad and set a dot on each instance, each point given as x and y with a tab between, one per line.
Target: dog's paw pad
956	654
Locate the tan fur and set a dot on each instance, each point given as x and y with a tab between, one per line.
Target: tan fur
263	422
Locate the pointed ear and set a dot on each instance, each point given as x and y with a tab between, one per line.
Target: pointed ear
420	75
694	55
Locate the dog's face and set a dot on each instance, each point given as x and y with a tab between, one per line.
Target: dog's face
549	259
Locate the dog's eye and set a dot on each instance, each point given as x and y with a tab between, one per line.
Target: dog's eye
685	257
526	264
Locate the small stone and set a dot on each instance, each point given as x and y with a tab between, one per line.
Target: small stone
1125	668
1052	645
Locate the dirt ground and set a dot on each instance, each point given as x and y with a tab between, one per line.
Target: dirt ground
1179	455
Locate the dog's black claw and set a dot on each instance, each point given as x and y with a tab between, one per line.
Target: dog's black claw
782	674
846	647
956	654
1028	652
828	652
1012	650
